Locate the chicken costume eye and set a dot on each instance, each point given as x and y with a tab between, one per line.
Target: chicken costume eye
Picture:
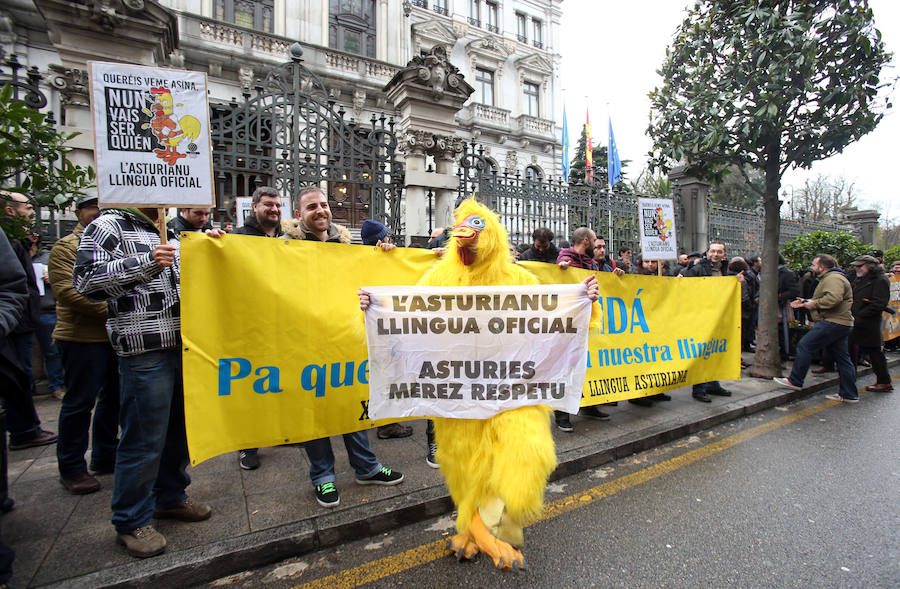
476	222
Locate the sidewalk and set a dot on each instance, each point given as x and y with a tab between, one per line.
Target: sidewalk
269	514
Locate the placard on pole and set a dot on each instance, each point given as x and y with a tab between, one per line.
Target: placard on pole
151	137
656	218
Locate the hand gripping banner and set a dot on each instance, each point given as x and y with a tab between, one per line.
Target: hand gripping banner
476	351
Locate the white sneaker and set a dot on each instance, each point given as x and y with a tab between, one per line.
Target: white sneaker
838	397
787	383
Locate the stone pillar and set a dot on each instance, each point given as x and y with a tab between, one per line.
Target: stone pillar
694	193
428	93
865	224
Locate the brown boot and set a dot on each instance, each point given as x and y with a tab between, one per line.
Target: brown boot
186	511
143	542
80	483
880	388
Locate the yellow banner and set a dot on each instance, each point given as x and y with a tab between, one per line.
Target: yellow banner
892	322
275	352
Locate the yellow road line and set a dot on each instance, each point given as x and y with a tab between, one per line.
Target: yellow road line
398	563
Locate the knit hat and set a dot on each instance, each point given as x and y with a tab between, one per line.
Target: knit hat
371	231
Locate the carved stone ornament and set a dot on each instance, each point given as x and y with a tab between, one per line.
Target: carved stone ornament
359	101
417	142
72	85
436	70
447	147
512	161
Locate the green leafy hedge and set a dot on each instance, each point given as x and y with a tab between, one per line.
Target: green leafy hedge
800	251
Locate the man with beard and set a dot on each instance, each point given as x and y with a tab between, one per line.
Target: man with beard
191	219
264	222
580	255
266	218
871	294
604	263
313	223
713	264
542	249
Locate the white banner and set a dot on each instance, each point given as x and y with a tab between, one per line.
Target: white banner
657	221
151	136
472	352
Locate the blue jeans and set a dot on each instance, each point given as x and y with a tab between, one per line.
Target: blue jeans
830	337
706	387
23	424
152	458
52	361
92	376
321	458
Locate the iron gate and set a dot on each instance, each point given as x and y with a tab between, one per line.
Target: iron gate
289	134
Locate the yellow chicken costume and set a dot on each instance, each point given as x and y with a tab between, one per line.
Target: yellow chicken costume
496	469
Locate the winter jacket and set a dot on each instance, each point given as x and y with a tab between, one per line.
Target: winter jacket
179	225
251	227
115	264
703	267
77	318
295	229
833	298
788	285
13	289
871	294
576	260
548	256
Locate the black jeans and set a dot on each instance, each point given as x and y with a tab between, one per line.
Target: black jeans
92	376
878	361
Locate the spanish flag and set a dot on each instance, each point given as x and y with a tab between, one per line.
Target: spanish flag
588	150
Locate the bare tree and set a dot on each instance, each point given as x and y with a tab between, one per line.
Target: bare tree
822	198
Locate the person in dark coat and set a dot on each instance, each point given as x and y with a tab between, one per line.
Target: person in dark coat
788	290
191	219
23	422
871	294
749	293
266	218
13	380
542	248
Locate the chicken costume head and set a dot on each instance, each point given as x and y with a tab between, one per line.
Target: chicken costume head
496	469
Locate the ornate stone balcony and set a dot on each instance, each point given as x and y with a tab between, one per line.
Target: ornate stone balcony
484	115
533	128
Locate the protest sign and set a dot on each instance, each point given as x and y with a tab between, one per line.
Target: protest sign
472	352
151	136
656	218
276	352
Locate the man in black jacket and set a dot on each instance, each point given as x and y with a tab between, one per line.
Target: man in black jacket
871	294
24	425
713	264
542	248
191	219
266	218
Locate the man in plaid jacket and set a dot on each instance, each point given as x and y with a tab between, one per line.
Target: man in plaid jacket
121	261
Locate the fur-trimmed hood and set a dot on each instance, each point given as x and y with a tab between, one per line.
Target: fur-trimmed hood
295	229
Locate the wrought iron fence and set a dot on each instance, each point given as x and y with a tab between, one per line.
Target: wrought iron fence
741	230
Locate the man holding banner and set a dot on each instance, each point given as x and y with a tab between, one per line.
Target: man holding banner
121	261
314	223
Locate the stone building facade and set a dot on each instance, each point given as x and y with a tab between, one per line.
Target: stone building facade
507	51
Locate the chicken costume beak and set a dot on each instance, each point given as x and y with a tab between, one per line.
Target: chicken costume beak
466	242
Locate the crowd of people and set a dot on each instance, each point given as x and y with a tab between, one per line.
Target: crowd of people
106	312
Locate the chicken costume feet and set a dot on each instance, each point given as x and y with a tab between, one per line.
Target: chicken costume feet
506	557
462	546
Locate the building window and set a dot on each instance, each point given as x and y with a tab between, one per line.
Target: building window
522	27
440	6
420	3
533	174
252	14
475	12
490	9
532	99
484	86
537	36
351	26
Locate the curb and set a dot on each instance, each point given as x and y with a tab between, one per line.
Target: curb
202	564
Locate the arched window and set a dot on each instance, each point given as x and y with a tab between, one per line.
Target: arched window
351	26
533	174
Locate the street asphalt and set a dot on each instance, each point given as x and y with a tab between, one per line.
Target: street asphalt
270	514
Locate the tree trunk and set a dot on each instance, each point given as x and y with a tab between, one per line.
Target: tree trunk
766	362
